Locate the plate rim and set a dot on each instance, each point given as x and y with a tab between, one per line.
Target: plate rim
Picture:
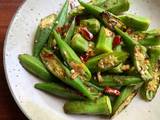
4	61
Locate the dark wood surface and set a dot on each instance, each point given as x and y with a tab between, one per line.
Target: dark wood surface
8	108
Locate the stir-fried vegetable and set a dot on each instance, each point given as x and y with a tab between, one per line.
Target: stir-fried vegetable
95	57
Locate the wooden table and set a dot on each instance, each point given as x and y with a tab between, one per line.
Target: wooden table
8	108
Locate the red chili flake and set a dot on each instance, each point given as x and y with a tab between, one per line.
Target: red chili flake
117	41
84	57
48	56
59	29
111	91
62	30
86	33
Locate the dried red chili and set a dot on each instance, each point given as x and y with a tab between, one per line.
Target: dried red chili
86	33
84	57
62	30
117	41
111	91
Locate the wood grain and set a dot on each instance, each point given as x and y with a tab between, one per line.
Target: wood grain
8	108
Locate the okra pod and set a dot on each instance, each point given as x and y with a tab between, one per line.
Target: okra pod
117	81
151	41
126	96
117	70
149	89
46	26
101	106
51	42
56	67
148	38
126	39
92	24
112	21
59	90
34	66
107	18
142	62
79	10
72	59
95	10
70	32
113	6
154	54
53	64
117	6
106	61
43	33
135	22
139	53
79	44
62	15
105	39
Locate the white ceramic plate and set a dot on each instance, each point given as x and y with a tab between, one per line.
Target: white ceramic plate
37	105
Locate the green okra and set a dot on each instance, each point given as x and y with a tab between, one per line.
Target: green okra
135	22
101	106
123	69
46	26
79	44
70	32
126	39
72	59
59	90
105	39
140	57
117	81
117	70
113	6
142	63
149	89
154	54
147	38
92	24
151	41
79	10
34	66
95	10
112	21
62	15
107	18
51	42
152	32
56	67
106	61
43	33
126	96
53	64
117	6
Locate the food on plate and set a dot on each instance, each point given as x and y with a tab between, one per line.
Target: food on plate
96	57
